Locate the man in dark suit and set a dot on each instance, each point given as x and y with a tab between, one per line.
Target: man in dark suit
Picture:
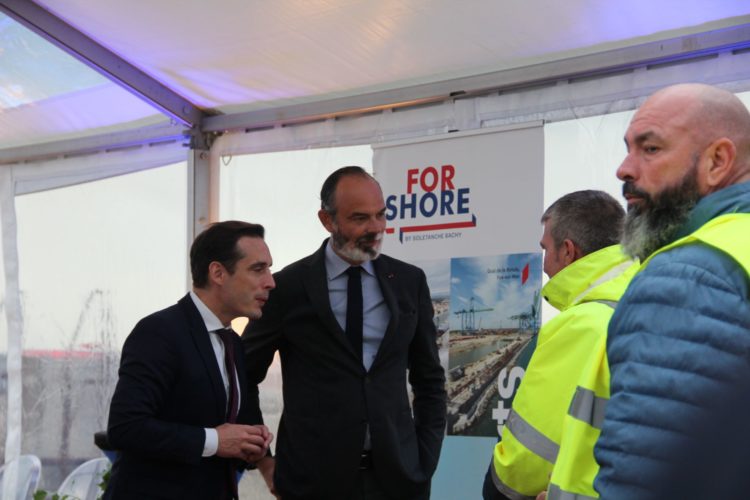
347	430
179	412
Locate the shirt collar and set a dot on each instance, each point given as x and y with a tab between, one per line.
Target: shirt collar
335	265
209	318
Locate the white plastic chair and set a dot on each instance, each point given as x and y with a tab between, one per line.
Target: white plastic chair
19	477
83	482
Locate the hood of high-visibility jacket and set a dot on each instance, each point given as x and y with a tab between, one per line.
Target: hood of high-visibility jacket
590	278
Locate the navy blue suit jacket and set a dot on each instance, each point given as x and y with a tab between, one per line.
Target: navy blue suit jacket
170	389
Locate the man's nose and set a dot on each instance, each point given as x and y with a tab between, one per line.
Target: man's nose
270	283
626	170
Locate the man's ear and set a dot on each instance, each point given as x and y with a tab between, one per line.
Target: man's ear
572	252
326	219
216	273
720	157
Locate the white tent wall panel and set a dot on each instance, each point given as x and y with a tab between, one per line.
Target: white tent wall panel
282	192
25	178
95	258
12	315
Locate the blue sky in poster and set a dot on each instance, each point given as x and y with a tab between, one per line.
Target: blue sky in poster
494	282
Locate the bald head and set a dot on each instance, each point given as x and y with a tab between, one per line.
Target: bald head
687	129
709	114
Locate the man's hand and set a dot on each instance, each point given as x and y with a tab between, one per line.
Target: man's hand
266	466
542	495
246	442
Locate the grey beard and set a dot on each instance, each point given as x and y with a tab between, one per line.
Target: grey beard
646	233
354	252
655	225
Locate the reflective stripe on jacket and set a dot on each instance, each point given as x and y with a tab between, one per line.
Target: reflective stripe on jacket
523	459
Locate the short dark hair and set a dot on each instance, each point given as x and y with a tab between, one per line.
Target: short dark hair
218	243
328	191
590	219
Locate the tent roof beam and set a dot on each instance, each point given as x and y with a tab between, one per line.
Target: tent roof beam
144	136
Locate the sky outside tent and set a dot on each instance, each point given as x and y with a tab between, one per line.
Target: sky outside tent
32	69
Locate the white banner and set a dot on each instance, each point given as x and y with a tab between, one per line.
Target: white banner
463	194
466	208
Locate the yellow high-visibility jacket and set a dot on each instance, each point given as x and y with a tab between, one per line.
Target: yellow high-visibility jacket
583	292
574	472
575	469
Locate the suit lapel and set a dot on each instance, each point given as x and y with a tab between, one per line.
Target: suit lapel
315	281
199	335
386	279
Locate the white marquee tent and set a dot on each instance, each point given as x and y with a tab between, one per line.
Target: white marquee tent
126	126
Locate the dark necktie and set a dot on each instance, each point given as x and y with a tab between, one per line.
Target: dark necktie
354	309
227	338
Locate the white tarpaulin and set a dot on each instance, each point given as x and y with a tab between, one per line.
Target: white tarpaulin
465	207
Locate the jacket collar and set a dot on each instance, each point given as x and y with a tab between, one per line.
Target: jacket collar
733	199
601	275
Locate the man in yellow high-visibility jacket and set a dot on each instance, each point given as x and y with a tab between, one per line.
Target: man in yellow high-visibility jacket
588	273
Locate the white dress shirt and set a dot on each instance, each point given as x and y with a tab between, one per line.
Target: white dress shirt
211	444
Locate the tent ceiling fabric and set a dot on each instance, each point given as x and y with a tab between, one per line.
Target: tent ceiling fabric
240	53
243	55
